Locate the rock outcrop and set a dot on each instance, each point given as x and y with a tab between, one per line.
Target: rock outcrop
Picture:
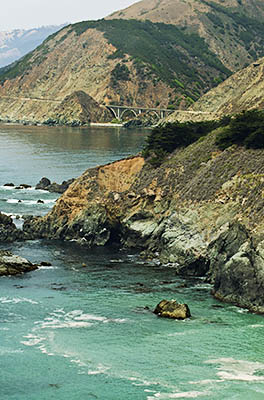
172	309
45	184
11	264
237	268
8	230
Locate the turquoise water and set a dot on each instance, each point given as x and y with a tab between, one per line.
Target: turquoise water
83	327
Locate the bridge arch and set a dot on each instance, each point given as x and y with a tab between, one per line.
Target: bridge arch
153	112
113	112
128	110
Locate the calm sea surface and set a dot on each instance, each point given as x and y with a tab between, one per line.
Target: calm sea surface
69	332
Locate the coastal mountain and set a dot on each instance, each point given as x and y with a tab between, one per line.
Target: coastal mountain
16	43
233	29
114	61
168	55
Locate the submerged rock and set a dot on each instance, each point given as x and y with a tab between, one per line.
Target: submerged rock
172	309
11	264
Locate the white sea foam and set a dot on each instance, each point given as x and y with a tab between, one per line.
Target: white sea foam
47	267
256	326
79	316
238	370
31	202
101	369
183	395
4	351
17	300
32	188
79	363
32	340
59	324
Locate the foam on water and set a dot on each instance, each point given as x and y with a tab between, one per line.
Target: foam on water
182	395
17	300
238	370
31	202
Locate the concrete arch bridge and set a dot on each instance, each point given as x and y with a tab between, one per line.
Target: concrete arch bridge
119	112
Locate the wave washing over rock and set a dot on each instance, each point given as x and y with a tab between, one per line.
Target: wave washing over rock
195	211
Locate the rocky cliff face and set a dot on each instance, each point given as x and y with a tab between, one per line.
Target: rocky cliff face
202	211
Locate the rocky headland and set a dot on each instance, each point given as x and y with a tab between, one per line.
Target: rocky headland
201	210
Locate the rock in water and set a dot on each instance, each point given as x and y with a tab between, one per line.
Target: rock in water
8	230
11	264
43	184
172	309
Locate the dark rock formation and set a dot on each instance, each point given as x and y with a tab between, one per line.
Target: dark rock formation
9	184
8	230
237	268
11	264
45	184
172	309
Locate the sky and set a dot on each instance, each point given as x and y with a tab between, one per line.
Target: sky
25	14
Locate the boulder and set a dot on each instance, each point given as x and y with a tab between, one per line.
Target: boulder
11	264
172	309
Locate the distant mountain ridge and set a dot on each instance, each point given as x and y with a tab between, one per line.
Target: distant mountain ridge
16	43
233	29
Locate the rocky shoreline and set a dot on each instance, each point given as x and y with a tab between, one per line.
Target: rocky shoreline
195	212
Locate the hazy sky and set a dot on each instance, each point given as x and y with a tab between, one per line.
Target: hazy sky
33	13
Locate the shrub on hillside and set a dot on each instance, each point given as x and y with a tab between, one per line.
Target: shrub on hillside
245	129
165	139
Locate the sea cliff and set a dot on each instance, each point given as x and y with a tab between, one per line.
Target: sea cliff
201	211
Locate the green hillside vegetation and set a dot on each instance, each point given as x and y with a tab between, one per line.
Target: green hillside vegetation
163	140
159	52
245	129
249	31
168	52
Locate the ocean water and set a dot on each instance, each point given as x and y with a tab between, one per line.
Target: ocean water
83	328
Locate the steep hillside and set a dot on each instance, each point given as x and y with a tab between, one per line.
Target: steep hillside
242	91
233	29
115	61
15	44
